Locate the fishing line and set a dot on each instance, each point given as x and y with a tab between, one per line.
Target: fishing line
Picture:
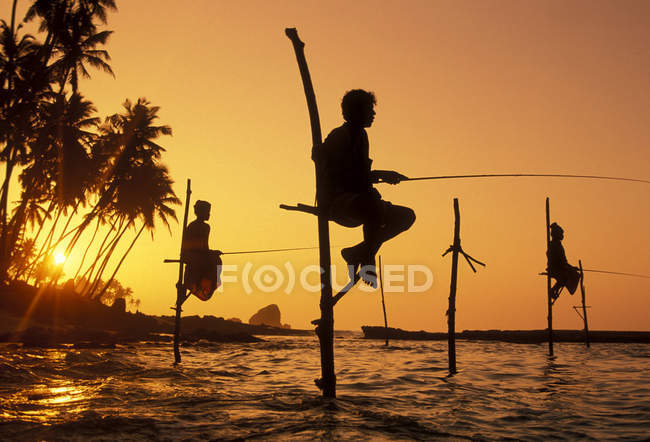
269	250
502	175
243	252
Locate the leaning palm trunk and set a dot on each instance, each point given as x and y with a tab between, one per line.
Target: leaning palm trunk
81	228
64	232
51	247
102	268
45	218
11	161
119	264
16	229
45	247
97	208
27	266
90	243
4	252
88	274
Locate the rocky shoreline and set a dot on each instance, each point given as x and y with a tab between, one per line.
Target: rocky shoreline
62	318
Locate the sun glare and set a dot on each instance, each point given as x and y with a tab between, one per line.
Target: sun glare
59	258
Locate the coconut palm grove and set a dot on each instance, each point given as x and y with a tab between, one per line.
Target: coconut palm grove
76	171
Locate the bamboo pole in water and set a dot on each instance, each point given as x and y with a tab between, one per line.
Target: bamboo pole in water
584	306
180	288
325	327
548	280
383	303
451	313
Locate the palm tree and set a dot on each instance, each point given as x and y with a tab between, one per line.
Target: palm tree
62	168
22	80
23	253
72	34
77	47
96	9
130	135
51	134
148	195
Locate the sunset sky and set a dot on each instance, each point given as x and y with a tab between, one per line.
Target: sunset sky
462	87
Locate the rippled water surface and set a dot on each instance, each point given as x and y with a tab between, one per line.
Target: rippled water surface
266	390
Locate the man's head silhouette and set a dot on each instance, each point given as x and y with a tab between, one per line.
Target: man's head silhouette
358	107
202	210
557	232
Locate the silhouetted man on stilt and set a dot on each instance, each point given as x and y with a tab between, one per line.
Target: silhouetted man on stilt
203	269
564	273
347	191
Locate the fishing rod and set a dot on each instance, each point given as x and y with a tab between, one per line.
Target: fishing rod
637	275
509	175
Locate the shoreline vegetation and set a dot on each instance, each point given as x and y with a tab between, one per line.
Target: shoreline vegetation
510	336
89	184
59	317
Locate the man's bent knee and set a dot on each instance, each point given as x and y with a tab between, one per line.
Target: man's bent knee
410	217
407	218
404	217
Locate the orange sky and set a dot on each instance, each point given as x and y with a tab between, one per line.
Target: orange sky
462	87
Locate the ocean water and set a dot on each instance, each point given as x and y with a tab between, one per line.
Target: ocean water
266	391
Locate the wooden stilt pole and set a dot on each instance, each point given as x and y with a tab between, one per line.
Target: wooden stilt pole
325	327
383	303
180	288
451	313
548	280
456	249
584	306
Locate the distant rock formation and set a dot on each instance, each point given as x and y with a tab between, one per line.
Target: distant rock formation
237	320
269	315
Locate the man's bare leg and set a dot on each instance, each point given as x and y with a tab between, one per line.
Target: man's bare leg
354	257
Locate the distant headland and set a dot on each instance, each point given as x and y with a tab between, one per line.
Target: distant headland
513	336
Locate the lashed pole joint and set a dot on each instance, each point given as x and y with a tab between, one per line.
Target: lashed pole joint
468	258
459	249
456	249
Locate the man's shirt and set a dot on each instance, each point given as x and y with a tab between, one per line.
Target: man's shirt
557	262
196	236
345	163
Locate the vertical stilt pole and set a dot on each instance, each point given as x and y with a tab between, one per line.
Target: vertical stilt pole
548	281
451	313
383	303
584	306
180	288
325	328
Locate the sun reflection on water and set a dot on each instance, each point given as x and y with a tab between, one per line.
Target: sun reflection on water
50	403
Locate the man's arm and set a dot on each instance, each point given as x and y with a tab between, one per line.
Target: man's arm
387	176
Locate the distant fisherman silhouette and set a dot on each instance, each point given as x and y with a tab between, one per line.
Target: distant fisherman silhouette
203	269
565	274
347	191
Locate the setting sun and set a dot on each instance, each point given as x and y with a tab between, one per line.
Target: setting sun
59	258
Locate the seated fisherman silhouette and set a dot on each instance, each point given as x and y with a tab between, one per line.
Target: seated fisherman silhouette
564	274
347	193
203	269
